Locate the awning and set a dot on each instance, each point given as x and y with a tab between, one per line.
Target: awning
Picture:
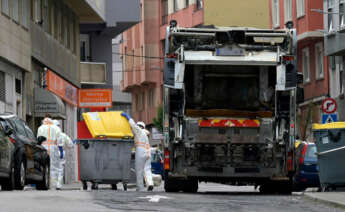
47	102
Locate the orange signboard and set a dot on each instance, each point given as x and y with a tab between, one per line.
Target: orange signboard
95	98
62	88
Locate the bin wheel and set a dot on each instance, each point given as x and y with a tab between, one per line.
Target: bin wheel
84	185
94	186
125	186
114	187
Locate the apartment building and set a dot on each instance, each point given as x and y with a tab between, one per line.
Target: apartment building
15	55
334	26
311	60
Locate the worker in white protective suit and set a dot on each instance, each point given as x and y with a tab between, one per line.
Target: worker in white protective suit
142	154
67	143
54	146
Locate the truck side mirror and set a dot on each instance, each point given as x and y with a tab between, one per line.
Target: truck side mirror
300	95
41	139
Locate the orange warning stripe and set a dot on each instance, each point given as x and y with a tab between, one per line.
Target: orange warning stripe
229	123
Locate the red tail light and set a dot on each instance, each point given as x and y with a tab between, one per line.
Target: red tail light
301	159
172	55
166	159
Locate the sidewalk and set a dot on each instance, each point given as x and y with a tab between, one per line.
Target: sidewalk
333	198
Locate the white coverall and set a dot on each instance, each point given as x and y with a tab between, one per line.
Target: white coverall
52	134
142	156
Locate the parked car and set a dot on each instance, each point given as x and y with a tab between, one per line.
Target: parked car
157	163
307	169
23	160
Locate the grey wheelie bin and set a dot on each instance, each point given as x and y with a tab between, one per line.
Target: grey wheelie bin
105	161
330	145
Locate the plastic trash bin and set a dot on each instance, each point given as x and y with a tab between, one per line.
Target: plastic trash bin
330	145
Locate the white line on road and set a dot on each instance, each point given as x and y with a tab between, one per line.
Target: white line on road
155	198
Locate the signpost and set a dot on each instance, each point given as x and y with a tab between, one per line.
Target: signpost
329	107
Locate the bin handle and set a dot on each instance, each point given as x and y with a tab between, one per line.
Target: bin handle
329	151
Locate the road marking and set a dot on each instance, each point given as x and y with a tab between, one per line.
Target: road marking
155	198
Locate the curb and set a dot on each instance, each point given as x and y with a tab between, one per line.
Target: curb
327	202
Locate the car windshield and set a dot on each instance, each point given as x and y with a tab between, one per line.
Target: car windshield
311	150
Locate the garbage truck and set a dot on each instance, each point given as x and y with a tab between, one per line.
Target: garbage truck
230	96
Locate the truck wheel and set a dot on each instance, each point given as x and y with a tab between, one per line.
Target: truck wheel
170	184
114	187
94	186
190	186
125	186
84	185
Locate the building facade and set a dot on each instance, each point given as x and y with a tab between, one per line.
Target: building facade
311	60
334	26
15	55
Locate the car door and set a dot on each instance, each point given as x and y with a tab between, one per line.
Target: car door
6	149
22	137
37	150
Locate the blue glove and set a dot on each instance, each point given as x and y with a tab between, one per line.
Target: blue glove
128	117
61	152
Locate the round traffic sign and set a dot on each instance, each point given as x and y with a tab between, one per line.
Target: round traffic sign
329	105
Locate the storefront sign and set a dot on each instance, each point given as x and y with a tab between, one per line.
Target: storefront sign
62	88
91	98
46	107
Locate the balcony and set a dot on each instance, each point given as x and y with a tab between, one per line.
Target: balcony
88	11
93	73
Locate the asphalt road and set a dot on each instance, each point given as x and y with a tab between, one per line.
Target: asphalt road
211	197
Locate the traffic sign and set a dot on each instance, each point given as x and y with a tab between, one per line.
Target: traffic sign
329	105
328	118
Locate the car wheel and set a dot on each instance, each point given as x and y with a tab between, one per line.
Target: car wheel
8	184
45	183
19	175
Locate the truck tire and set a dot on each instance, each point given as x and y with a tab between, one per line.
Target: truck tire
170	184
190	186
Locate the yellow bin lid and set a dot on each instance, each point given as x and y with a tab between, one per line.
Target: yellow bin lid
333	125
109	124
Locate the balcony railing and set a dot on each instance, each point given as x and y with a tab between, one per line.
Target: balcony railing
93	73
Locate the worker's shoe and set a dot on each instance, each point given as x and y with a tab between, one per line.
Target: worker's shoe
150	188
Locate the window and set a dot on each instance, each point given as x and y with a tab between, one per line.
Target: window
175	6
300	8
5	7
330	22
25	15
319	61
151	97
37	11
2	86
275	13
341	15
305	63
72	30
19	127
341	75
165	12
332	62
46	16
330	3
15	10
187	4
198	4
18	86
288	10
